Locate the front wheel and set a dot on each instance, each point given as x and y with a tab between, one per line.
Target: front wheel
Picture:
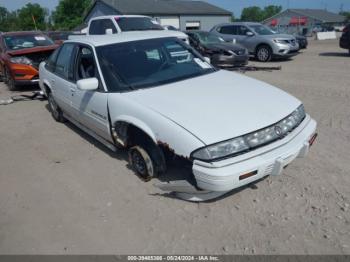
141	163
8	79
56	112
263	53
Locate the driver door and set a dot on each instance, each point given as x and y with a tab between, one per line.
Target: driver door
90	107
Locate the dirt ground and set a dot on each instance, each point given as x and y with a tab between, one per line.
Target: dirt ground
63	193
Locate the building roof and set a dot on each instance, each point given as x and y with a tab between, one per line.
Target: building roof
102	40
318	14
165	7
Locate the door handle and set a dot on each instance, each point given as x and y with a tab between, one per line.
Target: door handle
72	90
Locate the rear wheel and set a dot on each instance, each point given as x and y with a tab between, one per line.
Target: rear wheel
56	112
263	53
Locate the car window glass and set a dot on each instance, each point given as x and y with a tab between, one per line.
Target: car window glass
228	30
51	62
153	54
108	24
242	30
86	67
95	28
133	65
64	61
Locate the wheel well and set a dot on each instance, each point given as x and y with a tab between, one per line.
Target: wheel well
47	89
262	44
128	135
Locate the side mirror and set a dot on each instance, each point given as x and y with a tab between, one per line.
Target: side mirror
250	33
109	31
88	84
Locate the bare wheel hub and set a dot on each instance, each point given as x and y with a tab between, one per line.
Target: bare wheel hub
141	163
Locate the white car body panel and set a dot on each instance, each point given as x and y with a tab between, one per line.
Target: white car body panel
215	107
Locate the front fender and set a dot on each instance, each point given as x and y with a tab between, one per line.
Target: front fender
137	123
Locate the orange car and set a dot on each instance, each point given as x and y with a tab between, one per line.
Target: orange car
20	56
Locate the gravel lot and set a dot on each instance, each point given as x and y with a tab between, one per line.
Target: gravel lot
63	193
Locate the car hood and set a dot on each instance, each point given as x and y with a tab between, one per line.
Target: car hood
224	46
37	49
169	33
218	106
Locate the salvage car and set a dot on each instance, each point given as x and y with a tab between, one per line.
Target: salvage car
20	56
135	91
221	53
113	24
260	40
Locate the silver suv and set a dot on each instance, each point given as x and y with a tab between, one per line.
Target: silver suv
260	40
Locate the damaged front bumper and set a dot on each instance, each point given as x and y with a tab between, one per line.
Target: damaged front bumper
228	174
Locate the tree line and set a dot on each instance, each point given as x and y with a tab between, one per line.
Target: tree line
67	15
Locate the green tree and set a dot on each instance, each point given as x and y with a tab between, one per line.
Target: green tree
4	14
31	17
69	13
252	14
271	10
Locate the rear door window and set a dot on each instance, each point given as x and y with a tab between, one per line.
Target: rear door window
228	30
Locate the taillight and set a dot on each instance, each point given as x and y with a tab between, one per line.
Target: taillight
346	29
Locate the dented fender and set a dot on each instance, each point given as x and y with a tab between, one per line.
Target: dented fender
160	129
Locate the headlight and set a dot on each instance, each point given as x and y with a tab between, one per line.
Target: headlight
222	149
21	60
279	41
252	140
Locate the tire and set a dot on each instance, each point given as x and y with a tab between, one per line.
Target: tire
141	163
263	53
8	79
56	112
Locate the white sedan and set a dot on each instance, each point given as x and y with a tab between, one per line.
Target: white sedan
133	90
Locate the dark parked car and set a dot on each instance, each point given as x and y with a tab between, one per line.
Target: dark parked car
302	41
345	38
221	53
20	56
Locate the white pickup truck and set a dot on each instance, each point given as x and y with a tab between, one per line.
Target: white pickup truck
134	91
115	24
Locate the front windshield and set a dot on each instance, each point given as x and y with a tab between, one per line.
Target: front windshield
147	63
262	30
16	42
209	38
137	24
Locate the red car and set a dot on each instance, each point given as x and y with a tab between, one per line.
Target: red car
20	56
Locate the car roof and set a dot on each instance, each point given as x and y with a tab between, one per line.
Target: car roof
116	16
239	23
101	40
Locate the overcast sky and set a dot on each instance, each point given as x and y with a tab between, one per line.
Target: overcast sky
235	6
